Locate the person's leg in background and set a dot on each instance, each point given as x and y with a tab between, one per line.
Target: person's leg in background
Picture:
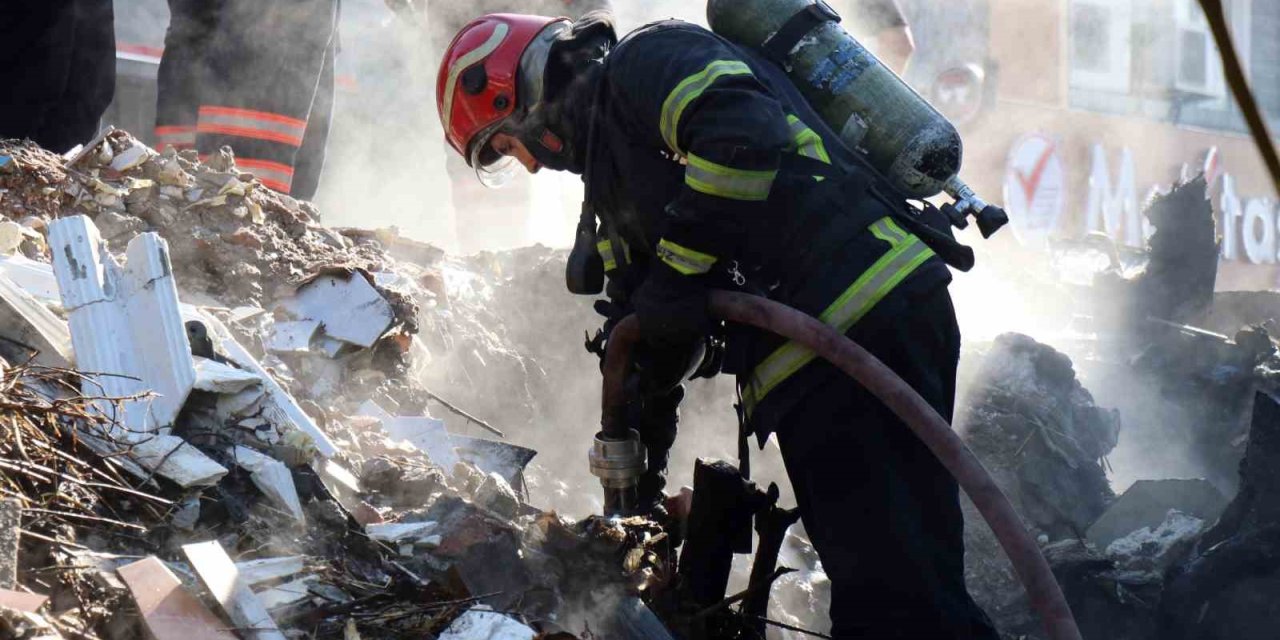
184	70
263	79
309	163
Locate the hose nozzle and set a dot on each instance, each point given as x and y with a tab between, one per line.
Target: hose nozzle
619	465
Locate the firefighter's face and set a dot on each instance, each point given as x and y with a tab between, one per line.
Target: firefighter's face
509	145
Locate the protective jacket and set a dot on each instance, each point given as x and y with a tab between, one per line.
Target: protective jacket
705	159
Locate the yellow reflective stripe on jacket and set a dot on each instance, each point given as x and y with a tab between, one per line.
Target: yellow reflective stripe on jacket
808	142
688	90
605	248
683	259
710	178
889	232
905	255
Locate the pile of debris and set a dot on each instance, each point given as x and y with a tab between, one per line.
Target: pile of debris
1039	432
216	419
1168	558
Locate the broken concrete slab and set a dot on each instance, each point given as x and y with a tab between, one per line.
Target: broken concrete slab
482	623
291	336
215	377
349	309
10	521
232	592
425	433
287	593
36	278
264	569
1148	502
497	496
1157	548
125	323
244	403
171	457
168	610
399	531
340	482
21	600
27	321
273	479
494	456
279	407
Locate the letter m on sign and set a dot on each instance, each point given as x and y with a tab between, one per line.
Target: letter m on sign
1113	206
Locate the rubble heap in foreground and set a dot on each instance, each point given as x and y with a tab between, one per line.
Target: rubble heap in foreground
213	416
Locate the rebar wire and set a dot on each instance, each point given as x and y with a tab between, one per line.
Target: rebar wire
783	625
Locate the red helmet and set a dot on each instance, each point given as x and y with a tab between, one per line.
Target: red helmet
476	89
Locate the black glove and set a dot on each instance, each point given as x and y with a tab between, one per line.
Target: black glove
672	308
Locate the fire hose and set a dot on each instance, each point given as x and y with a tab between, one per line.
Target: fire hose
1033	570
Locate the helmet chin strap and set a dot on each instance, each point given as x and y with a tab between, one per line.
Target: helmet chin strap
550	149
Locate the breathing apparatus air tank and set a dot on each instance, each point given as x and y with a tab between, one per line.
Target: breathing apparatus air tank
872	109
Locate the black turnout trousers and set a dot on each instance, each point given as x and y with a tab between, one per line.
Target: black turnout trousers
254	75
882	512
57	69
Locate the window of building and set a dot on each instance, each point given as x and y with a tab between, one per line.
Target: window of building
1197	63
1099	41
1264	52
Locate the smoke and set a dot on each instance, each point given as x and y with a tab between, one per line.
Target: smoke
388	165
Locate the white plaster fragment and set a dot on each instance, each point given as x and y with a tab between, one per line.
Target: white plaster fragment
398	531
36	278
287	593
427	434
480	623
262	570
349	309
171	457
340	482
215	377
244	403
125	323
291	336
25	320
273	478
241	605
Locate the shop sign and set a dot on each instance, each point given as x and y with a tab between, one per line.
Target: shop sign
1035	188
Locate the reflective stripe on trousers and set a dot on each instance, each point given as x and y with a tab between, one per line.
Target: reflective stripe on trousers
906	253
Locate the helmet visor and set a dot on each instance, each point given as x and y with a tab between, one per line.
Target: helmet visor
492	168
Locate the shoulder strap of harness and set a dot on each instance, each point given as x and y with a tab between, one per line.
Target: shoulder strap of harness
853	187
781	43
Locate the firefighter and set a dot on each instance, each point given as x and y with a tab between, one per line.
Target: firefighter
58	70
254	75
709	170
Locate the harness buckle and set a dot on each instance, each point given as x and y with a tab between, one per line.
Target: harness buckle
735	274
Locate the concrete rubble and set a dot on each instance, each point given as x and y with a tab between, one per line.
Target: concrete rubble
222	424
1153	344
